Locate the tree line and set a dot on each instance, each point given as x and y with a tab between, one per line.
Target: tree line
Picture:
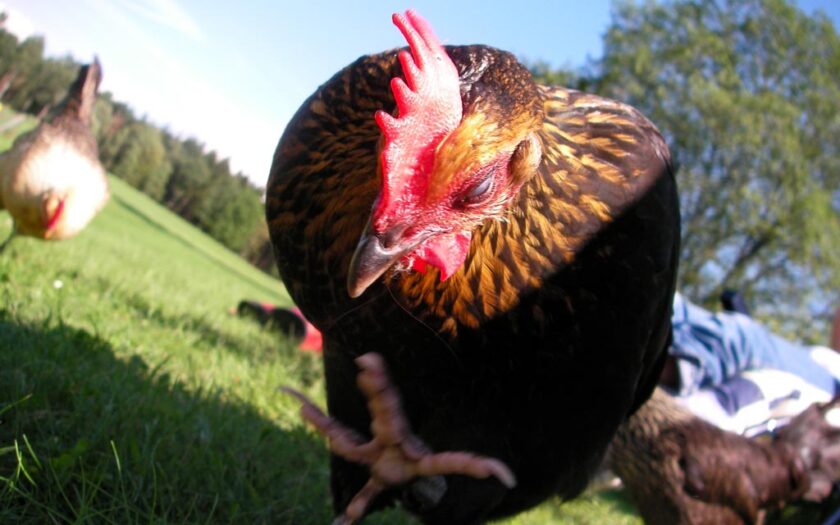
177	172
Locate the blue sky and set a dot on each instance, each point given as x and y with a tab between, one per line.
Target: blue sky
233	77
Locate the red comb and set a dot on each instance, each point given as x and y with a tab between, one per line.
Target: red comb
429	108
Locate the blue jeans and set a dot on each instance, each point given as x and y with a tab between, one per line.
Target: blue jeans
711	348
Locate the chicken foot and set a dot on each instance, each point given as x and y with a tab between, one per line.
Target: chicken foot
394	455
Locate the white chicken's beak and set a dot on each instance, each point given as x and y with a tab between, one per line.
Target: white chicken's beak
53	209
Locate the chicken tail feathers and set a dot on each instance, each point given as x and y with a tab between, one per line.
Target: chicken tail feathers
82	94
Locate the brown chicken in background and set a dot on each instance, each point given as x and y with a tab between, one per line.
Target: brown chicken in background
509	251
681	470
51	180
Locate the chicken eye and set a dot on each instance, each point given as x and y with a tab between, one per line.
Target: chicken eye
477	193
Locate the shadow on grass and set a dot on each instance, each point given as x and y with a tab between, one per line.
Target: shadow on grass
205	331
109	441
196	325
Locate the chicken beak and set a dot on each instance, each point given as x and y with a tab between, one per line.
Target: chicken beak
53	208
370	260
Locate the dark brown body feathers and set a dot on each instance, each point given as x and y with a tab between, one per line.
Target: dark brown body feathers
681	470
553	330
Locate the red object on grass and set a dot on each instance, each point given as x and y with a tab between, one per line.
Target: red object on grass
289	321
313	341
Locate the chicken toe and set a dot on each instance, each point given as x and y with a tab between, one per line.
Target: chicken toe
394	455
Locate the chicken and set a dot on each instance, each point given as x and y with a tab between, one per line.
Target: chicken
51	180
507	249
681	470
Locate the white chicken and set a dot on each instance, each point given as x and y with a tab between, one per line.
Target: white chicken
51	180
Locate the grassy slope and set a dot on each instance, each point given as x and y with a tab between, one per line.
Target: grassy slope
129	395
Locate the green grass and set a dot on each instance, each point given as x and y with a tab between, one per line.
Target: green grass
13	124
128	394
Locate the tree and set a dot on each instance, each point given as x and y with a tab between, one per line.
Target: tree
24	60
566	77
8	51
190	177
237	215
231	208
142	160
747	93
110	119
258	249
45	86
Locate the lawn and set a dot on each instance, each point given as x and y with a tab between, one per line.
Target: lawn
128	394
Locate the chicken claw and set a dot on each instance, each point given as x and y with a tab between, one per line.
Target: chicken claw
394	455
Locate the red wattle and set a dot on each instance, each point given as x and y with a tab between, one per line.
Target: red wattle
445	252
54	218
418	265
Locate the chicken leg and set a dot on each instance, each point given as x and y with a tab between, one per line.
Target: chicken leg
394	455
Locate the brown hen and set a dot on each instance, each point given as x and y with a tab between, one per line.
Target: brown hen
681	470
508	249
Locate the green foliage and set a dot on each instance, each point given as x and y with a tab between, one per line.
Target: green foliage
8	51
259	251
568	77
37	84
141	159
190	178
231	211
747	93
